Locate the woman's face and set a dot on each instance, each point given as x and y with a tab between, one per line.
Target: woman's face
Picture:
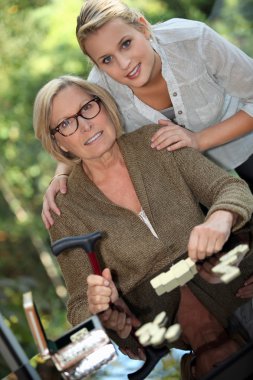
94	137
123	52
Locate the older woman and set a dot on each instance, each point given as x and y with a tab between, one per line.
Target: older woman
147	202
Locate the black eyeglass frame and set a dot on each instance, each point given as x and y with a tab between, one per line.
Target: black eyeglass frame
53	131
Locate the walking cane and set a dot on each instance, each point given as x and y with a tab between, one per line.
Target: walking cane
87	242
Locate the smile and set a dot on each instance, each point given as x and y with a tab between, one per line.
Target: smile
135	72
93	138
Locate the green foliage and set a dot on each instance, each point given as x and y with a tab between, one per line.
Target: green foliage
233	19
161	10
29	60
194	9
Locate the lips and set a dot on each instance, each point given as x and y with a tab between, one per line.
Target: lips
93	138
135	72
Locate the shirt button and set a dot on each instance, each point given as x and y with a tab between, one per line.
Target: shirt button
180	112
174	94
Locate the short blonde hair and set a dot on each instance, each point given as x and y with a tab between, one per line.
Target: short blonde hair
96	13
43	108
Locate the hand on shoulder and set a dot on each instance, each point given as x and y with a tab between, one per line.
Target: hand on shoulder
57	184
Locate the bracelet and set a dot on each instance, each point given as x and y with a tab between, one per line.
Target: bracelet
57	175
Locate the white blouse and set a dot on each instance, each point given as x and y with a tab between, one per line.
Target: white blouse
142	215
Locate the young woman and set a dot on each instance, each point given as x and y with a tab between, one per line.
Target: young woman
147	203
180	74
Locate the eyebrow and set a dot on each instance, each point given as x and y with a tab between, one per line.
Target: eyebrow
67	117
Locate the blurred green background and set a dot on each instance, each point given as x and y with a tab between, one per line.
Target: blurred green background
37	43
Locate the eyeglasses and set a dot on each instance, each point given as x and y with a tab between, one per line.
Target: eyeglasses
69	126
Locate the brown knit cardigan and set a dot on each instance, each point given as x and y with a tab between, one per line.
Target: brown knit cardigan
170	187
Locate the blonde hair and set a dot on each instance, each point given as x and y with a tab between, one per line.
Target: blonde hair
95	13
43	109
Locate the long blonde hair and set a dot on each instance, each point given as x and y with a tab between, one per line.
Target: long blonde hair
96	13
43	109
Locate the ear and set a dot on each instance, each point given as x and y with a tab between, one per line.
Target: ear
144	26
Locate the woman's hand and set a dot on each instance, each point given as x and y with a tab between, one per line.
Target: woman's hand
141	354
103	299
58	184
101	292
172	137
247	290
209	237
119	319
116	320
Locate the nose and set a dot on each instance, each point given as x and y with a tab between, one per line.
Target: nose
123	61
84	124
